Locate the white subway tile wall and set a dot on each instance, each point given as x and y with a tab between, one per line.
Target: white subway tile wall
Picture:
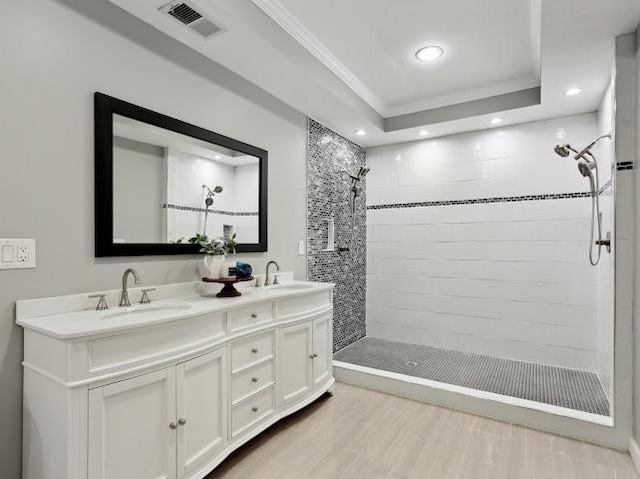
509	278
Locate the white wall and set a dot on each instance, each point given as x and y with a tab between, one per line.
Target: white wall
52	60
138	194
510	279
246	193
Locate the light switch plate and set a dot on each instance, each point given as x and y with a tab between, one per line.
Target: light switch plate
17	253
301	248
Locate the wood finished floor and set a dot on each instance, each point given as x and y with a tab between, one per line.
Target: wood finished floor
360	433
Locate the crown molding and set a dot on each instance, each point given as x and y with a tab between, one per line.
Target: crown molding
279	14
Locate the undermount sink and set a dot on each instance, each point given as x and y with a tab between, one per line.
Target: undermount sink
140	310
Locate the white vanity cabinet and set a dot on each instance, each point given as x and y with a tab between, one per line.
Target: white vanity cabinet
169	399
164	424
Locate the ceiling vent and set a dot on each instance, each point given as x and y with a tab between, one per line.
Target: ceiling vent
187	14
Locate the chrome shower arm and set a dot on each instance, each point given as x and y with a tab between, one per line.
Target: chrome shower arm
587	150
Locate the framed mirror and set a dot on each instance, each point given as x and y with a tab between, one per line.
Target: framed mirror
160	181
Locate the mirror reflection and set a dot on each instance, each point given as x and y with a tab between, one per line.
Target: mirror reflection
168	187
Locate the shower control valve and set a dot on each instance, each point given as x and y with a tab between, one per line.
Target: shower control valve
605	242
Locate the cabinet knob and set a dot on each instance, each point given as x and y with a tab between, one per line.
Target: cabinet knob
311	356
254	350
182	421
254	380
173	425
254	315
254	409
315	355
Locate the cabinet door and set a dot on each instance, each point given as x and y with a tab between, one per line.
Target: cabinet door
322	351
295	362
201	396
129	428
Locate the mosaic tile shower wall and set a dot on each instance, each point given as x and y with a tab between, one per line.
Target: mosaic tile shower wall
329	156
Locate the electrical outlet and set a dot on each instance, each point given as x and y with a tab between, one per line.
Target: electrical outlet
17	253
23	253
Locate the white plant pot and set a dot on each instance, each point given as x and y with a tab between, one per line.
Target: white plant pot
214	265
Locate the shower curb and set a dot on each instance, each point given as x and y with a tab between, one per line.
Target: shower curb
553	419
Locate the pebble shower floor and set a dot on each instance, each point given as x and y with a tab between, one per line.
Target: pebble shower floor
569	388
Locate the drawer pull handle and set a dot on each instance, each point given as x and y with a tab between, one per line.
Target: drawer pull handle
254	409
254	380
254	350
182	421
173	425
254	315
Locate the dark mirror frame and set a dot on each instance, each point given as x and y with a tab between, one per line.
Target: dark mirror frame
105	107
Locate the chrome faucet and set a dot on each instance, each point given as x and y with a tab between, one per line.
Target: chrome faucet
267	281
124	299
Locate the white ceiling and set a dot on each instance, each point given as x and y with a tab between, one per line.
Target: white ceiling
349	64
376	41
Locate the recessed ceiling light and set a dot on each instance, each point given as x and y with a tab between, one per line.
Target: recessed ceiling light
217	157
423	133
496	121
361	132
430	53
573	91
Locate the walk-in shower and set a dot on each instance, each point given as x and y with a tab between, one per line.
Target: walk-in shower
588	167
476	283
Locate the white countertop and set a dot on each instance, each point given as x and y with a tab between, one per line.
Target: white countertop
85	323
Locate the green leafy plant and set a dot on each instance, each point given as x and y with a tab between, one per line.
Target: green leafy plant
199	239
215	246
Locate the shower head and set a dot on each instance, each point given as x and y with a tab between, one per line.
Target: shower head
217	189
211	193
363	172
355	177
585	167
563	150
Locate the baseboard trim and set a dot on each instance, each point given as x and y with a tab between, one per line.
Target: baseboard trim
634	452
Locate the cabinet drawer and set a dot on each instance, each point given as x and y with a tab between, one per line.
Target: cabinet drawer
251	350
250	412
250	380
241	319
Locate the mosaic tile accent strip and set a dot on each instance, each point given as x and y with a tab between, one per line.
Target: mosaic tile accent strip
211	212
475	201
624	165
328	190
569	388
